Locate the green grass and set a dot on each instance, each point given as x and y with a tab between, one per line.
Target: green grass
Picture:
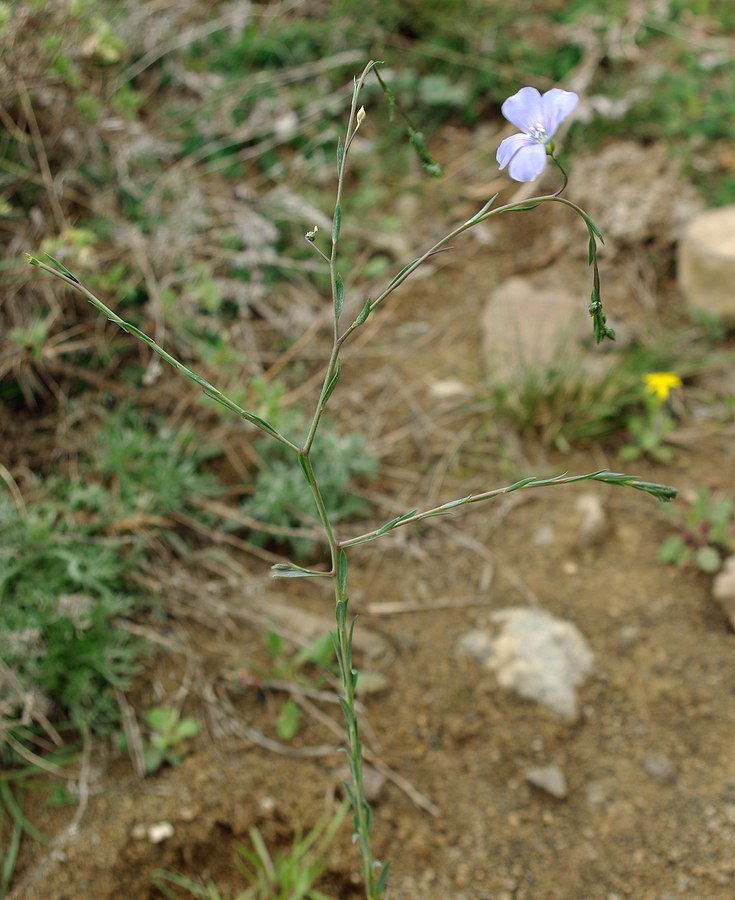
566	405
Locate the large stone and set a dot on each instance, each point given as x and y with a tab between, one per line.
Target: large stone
535	654
635	195
530	323
706	262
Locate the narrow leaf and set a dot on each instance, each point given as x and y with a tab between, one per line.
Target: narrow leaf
332	382
431	166
340	155
291	570
62	268
382	878
403	271
485	208
394	523
519	485
342	573
364	313
304	463
339	296
336	223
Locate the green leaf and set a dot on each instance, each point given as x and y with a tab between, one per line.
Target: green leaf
394	523
341	614
382	878
485	208
519	485
340	155
187	728
291	570
339	296
592	227
342	572
708	559
673	550
403	272
288	720
304	463
332	382
336	223
364	313
62	268
431	166
161	718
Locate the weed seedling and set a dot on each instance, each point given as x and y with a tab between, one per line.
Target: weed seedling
706	534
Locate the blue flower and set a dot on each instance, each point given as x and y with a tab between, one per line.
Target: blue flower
538	116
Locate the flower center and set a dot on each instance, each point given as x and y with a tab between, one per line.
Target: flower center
538	134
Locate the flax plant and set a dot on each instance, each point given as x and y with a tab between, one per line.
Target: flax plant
538	116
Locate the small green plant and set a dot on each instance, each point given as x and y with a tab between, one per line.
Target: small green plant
650	429
284	875
63	595
167	740
282	498
148	468
305	666
706	534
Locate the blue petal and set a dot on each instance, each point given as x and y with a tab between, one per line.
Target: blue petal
524	109
556	106
510	146
528	163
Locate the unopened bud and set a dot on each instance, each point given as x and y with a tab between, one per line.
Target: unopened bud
360	116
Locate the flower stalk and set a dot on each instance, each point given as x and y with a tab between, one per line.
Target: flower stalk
525	154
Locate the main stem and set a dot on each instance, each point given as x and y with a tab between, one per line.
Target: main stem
362	814
343	644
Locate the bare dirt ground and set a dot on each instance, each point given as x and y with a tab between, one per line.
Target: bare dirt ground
650	759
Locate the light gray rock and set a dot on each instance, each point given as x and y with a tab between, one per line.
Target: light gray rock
723	589
660	768
706	262
635	195
477	643
550	779
540	657
530	323
592	524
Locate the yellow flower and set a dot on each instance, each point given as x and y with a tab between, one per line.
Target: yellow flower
661	383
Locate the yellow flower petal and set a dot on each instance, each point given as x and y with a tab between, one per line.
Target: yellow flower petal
661	383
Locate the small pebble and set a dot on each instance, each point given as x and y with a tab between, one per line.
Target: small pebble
660	768
544	536
159	832
549	779
592	525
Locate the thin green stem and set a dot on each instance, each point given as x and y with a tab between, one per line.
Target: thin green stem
209	389
308	470
660	491
362	814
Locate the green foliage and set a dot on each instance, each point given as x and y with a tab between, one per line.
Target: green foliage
281	496
284	875
566	405
649	433
167	740
63	600
305	666
706	534
65	568
684	99
149	469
